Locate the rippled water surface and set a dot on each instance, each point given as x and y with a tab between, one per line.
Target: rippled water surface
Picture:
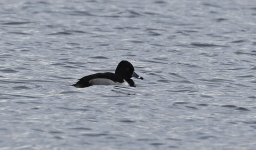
198	60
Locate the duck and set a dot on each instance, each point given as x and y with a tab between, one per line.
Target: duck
123	73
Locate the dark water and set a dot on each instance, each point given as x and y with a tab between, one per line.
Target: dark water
198	59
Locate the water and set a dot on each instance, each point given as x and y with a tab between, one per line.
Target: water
198	60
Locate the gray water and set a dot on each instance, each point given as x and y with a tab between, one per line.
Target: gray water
198	60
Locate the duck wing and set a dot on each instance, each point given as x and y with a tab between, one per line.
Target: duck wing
85	81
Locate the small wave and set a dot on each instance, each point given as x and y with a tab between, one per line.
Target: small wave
160	2
20	33
16	23
67	32
55	132
185	105
21	88
81	128
235	107
8	70
236	68
130	14
190	65
216	80
95	134
238	41
246	76
208	54
151	13
127	121
205	137
210	5
127	28
252	97
164	81
81	13
153	61
156	144
206	45
202	104
183	89
206	96
254	81
136	41
253	8
70	92
73	109
60	77
20	96
245	53
178	78
221	19
99	57
124	90
191	107
61	33
5	55
180	103
153	33
250	122
133	14
123	14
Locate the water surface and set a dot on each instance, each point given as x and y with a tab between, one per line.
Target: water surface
198	60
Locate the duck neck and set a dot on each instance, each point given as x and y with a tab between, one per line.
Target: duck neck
130	82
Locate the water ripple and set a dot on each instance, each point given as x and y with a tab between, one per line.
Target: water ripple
245	53
238	41
206	45
127	121
235	107
21	88
157	144
81	129
20	33
183	89
216	80
73	109
8	70
221	19
95	134
81	13
67	32
16	23
99	57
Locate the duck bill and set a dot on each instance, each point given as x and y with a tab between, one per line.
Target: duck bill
135	75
